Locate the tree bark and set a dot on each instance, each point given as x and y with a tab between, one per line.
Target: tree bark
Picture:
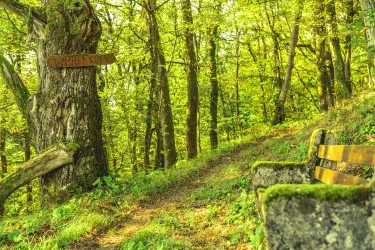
280	107
53	158
27	156
348	38
214	98
342	87
276	49
4	168
320	44
261	70
368	6
192	80
167	127
331	79
238	115
66	107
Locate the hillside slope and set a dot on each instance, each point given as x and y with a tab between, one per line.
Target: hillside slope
206	203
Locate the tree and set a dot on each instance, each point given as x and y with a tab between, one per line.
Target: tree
66	106
159	69
320	51
3	156
280	109
343	89
214	97
192	80
368	6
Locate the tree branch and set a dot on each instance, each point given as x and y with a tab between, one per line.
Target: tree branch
16	85
23	10
308	46
13	24
53	158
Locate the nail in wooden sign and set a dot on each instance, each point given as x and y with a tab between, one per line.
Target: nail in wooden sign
72	61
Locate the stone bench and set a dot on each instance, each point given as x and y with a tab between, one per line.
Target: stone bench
319	216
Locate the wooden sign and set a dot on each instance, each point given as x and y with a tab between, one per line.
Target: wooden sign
73	61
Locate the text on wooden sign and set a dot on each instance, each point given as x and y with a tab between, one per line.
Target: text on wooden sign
70	61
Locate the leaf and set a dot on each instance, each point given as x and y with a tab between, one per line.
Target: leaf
14	236
98	182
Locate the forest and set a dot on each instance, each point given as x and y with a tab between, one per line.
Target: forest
176	100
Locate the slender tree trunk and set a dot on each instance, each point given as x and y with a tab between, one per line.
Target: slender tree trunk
320	44
368	7
27	156
133	143
214	89
276	49
167	127
159	155
192	79
150	105
331	79
238	116
280	107
342	87
4	169
348	38
225	115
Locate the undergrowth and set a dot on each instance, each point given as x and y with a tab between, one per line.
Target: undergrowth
59	227
222	215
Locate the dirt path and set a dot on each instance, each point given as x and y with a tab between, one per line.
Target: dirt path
147	209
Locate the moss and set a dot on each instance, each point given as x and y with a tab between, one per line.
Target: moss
277	165
72	146
312	141
319	192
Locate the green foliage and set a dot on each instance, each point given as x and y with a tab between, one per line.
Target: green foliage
156	235
243	213
221	189
280	148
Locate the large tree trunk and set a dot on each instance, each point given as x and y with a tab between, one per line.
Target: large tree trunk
342	87
192	80
66	107
214	90
368	6
320	44
280	106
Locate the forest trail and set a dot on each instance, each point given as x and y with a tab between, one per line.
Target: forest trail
176	199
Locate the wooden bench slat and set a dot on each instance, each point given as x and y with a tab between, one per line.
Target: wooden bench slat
350	154
333	177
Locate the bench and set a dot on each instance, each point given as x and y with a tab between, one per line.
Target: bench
339	214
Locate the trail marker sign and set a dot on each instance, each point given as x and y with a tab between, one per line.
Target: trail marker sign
73	61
